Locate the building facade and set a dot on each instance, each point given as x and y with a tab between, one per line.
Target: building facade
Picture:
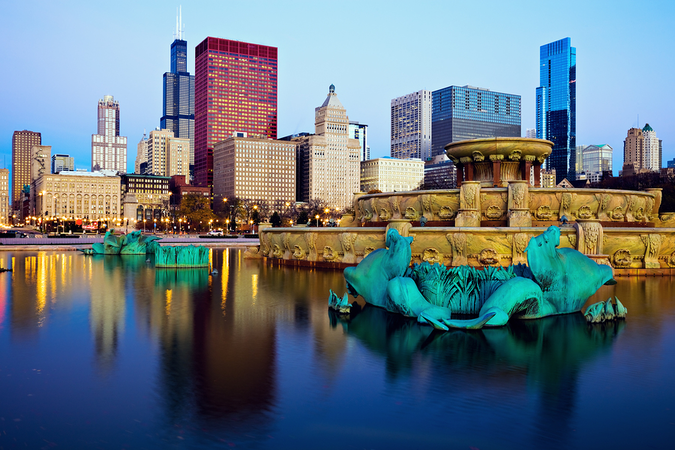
440	173
411	126
178	110
235	92
359	131
108	148
652	149
145	198
179	186
77	195
167	155
466	112
392	174
4	197
141	155
62	162
633	149
257	169
328	162
41	156
22	143
597	159
556	105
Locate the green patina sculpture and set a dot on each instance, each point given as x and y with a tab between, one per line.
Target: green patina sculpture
182	256
556	281
134	243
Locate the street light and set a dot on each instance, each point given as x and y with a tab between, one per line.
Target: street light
317	220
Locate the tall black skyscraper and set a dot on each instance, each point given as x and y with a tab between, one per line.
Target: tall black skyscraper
179	94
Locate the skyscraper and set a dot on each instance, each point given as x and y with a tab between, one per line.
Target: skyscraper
466	112
652	149
108	148
411	126
235	92
178	113
359	131
329	161
556	105
62	162
22	143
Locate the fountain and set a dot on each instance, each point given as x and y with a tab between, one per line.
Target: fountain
489	220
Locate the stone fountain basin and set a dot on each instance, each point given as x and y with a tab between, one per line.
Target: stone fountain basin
514	149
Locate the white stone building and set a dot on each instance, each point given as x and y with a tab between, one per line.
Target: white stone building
329	161
652	153
392	174
108	148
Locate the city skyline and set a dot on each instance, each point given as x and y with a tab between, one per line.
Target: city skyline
607	105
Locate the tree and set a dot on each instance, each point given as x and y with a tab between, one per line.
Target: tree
196	209
275	220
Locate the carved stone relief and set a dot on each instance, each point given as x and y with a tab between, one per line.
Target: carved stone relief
432	255
329	254
347	240
493	212
488	256
310	240
446	212
458	243
622	258
652	243
411	213
299	252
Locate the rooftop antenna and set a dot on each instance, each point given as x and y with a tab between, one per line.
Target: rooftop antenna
179	24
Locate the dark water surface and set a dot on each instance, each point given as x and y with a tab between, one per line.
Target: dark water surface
109	352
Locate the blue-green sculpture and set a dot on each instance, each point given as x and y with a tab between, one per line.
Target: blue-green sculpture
556	281
182	256
134	243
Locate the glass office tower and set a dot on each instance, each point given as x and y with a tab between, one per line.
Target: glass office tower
465	112
556	105
178	113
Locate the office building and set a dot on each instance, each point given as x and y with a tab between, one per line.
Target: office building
392	174
145	198
633	149
22	143
77	195
652	149
359	131
5	212
556	105
440	173
39	161
411	126
235	92
62	162
328	162
531	133
262	170
597	159
178	110
108	148
167	155
141	156
466	112
671	164
579	158
179	186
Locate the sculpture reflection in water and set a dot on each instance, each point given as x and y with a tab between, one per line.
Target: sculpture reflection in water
556	281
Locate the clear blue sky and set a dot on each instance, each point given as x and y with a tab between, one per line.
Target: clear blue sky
60	58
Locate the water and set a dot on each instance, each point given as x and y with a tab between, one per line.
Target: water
108	352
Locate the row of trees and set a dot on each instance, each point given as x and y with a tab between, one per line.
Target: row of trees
237	213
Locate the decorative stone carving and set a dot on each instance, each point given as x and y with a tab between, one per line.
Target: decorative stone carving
488	256
286	239
515	155
468	219
329	254
446	213
277	252
403	226
478	156
652	244
264	244
543	213
347	240
432	255
519	191
616	213
520	241
394	201
310	240
584	212
493	212
572	238
639	214
458	243
384	214
426	206
622	258
469	195
469	205
299	252
671	260
566	202
411	213
367	250
590	237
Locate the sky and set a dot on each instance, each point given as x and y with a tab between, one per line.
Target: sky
60	58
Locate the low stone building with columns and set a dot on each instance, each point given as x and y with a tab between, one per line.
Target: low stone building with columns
76	195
